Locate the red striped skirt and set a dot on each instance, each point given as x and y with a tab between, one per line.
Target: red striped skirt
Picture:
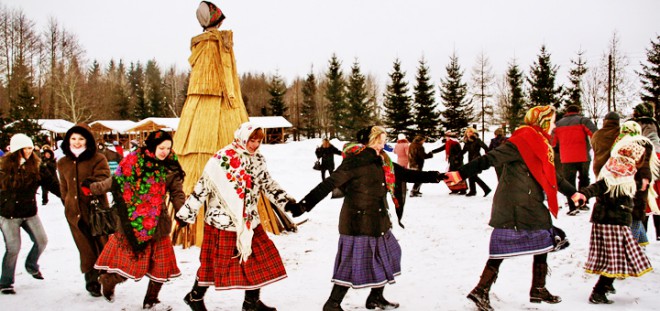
156	261
614	253
220	265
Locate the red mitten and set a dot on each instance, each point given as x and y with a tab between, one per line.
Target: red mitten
86	191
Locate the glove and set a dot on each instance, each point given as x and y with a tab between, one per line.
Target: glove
85	187
180	223
441	176
296	209
579	198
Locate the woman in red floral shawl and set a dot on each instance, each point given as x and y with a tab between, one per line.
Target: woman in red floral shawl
142	245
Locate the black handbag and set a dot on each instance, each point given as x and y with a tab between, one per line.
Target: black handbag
559	239
102	221
317	165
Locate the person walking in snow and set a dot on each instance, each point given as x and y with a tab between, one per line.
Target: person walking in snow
472	145
368	254
81	161
326	153
613	250
48	163
453	155
142	245
20	176
236	251
416	157
521	221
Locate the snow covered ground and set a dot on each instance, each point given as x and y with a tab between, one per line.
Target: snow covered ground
445	246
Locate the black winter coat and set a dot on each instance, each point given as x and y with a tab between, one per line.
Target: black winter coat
327	156
518	202
20	202
473	148
608	210
361	177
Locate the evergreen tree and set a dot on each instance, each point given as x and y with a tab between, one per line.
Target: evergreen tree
542	82
120	95
155	92
650	76
335	93
427	117
398	103
575	90
136	92
458	110
310	122
24	109
515	113
277	89
357	98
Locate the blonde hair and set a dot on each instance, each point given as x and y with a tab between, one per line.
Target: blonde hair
375	133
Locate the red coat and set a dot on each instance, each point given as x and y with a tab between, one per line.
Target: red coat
572	135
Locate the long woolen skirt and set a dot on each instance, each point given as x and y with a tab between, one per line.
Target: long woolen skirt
505	243
614	253
220	264
365	261
156	261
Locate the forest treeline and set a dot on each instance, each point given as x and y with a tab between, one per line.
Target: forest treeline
45	73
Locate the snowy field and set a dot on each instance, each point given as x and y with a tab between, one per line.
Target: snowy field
445	247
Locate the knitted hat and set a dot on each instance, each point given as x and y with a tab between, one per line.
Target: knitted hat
644	110
401	137
20	141
540	116
613	115
362	135
155	138
209	15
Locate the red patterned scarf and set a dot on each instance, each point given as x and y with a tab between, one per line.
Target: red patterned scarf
532	143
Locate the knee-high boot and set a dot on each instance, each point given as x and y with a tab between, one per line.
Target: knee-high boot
253	303
92	283
336	296
151	298
538	293
480	294
195	298
376	300
108	283
600	291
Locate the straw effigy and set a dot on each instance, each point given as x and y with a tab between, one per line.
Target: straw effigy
213	110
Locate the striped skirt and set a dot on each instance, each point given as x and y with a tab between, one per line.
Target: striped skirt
365	261
220	264
614	253
505	243
156	261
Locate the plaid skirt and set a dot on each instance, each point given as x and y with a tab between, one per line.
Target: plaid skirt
614	253
639	232
505	243
156	261
220	264
365	261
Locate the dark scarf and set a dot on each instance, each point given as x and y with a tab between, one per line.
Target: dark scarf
532	143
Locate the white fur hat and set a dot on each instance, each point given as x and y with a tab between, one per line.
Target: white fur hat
401	136
20	141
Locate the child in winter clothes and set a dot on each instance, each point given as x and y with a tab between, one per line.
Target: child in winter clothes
236	251
613	251
20	177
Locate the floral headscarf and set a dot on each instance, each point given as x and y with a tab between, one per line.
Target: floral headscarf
540	116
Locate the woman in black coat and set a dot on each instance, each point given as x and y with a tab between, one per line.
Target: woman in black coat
21	175
472	146
369	255
326	152
522	223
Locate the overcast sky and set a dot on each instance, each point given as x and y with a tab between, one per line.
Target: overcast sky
291	36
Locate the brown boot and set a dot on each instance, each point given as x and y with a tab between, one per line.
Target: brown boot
151	298
480	294
538	293
108	282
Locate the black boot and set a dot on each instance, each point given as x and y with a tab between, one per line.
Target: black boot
376	300
108	282
92	283
253	303
480	294
195	298
538	293
151	298
336	296
600	291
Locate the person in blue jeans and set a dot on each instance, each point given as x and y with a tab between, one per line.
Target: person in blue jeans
20	176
